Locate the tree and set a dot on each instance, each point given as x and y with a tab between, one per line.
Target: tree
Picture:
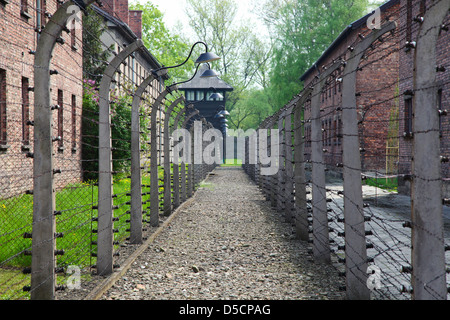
168	48
301	30
244	57
250	110
120	131
94	53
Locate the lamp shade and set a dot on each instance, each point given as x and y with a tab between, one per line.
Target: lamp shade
209	74
224	112
207	57
217	116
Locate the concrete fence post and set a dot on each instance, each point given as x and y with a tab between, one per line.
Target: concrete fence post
43	262
289	168
301	206
176	168
167	164
355	238
154	179
191	166
186	177
136	177
273	178
428	252
105	177
261	180
321	241
281	178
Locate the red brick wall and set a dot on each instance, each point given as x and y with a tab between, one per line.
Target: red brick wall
117	9
121	8
135	22
376	85
17	38
406	83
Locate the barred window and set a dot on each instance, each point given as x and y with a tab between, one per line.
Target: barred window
25	112
60	119
74	122
408	117
190	95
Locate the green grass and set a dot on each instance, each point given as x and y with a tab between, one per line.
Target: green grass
390	184
77	204
232	163
11	284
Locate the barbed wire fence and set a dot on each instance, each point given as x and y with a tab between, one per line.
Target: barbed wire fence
345	123
76	185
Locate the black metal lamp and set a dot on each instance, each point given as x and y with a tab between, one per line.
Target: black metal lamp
203	58
207	56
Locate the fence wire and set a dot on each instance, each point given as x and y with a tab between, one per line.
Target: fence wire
385	135
75	103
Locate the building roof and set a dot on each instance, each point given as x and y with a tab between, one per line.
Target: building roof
125	30
353	26
205	83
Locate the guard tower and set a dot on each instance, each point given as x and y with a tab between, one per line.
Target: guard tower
199	91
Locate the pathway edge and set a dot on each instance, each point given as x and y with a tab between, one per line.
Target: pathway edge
106	284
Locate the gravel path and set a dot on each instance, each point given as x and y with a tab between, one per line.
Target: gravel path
228	244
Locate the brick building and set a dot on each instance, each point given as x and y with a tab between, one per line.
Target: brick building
376	85
124	26
21	22
409	23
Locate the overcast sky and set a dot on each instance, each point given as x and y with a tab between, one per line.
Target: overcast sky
174	10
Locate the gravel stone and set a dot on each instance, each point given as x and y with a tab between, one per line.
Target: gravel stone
228	244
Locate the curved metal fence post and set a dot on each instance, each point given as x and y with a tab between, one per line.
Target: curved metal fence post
105	180
167	164
136	178
43	262
428	253
355	238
